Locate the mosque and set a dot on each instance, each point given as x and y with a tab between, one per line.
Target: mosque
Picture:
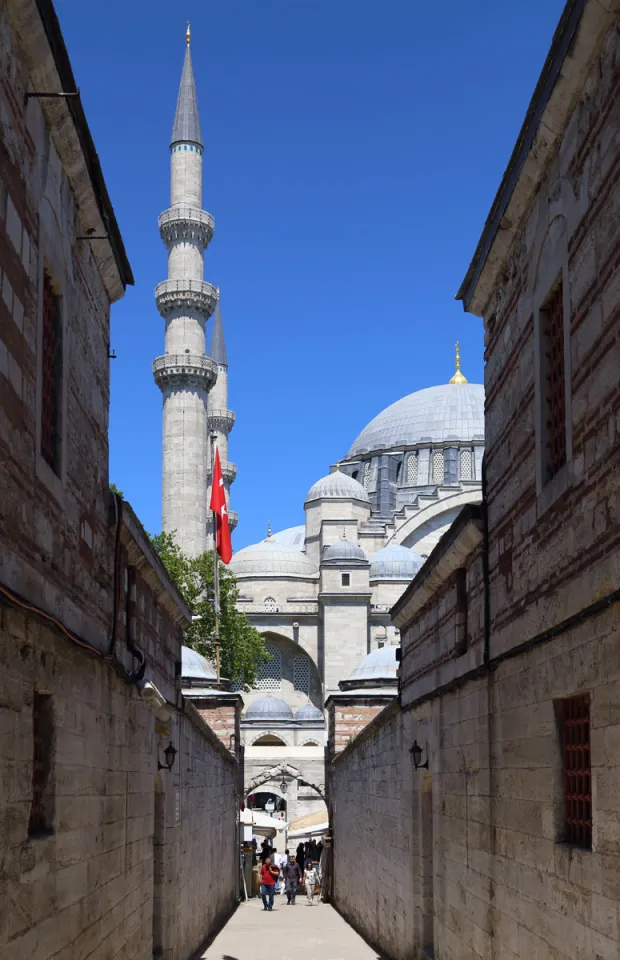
321	592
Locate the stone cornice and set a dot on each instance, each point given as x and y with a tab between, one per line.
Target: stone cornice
186	223
173	295
184	370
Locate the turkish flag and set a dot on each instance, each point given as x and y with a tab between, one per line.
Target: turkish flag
218	505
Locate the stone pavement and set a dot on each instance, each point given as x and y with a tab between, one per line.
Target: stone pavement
301	932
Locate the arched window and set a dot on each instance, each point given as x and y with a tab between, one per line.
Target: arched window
301	674
311	743
270	676
467	464
438	467
366	475
268	740
412	469
270	605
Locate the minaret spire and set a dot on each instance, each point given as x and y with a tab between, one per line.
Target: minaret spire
186	126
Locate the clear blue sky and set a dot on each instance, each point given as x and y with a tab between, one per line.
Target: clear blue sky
352	152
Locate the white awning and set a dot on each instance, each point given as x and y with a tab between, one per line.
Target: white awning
265	825
317	831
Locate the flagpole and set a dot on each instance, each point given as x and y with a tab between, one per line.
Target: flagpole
216	570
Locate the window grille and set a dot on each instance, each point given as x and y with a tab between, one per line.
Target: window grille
438	467
40	818
346	579
301	675
270	676
467	472
51	375
270	605
575	719
552	323
412	469
367	475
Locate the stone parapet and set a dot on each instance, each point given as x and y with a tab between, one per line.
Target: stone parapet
221	419
229	471
186	223
184	370
233	519
174	295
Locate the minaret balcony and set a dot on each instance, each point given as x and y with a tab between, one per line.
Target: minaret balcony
220	419
233	519
184	370
186	223
229	472
176	295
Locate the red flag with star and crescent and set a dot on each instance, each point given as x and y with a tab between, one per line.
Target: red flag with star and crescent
218	505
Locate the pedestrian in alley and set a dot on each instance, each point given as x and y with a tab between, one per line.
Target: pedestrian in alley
310	881
292	877
268	875
281	862
299	855
275	861
265	849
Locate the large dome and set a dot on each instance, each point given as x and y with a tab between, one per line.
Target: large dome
269	709
337	486
272	559
448	412
395	562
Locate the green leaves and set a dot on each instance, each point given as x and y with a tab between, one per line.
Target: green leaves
242	649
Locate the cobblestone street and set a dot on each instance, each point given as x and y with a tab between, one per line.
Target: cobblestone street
301	932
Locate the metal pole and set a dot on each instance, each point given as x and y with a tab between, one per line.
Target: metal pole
216	570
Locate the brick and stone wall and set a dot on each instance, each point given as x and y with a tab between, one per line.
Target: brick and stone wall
347	716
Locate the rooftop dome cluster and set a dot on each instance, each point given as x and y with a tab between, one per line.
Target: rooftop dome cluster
274	710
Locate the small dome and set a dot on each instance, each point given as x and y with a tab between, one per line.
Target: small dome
344	551
196	667
272	559
309	712
268	709
337	486
395	562
381	664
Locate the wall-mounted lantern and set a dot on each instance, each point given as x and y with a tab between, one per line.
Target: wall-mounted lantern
169	753
416	756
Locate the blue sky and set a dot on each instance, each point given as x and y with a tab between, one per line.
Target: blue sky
352	152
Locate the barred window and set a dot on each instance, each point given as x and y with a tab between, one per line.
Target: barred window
41	808
51	374
367	475
438	467
270	675
270	605
553	382
301	674
412	469
467	463
346	579
575	726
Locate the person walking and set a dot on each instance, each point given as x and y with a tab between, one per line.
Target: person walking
300	856
275	861
265	849
281	862
268	874
310	880
292	876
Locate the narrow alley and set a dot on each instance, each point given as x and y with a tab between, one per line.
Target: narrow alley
302	932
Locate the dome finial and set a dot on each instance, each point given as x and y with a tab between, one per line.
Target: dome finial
344	533
338	467
268	529
188	34
458	376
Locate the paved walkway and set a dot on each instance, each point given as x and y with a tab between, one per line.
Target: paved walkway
302	932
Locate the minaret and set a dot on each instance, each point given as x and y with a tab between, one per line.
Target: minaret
221	419
185	374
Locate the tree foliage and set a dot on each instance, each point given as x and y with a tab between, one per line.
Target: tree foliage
242	649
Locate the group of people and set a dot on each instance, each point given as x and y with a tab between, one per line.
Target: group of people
282	872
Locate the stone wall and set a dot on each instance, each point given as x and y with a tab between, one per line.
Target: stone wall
347	716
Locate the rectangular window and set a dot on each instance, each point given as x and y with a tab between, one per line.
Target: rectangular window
553	383
51	374
346	579
574	714
41	809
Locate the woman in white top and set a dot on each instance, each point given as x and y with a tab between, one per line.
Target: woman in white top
310	880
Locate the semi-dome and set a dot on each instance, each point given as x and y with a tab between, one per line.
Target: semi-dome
344	551
195	667
272	559
378	668
395	562
453	411
337	486
268	709
309	713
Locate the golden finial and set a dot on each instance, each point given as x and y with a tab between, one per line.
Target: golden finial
268	529
188	34
458	376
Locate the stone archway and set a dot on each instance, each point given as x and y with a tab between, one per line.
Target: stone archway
284	770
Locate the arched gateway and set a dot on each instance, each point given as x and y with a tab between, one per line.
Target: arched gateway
283	770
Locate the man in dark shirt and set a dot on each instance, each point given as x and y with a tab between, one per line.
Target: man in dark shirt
292	876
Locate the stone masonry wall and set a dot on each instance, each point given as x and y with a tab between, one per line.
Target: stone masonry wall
346	720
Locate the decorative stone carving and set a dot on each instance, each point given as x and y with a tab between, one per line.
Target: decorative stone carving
222	420
186	223
198	295
233	519
184	370
229	471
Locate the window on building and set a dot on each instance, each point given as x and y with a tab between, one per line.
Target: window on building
438	466
270	674
367	475
467	465
553	385
574	716
301	674
41	807
346	579
268	740
270	605
412	469
51	374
